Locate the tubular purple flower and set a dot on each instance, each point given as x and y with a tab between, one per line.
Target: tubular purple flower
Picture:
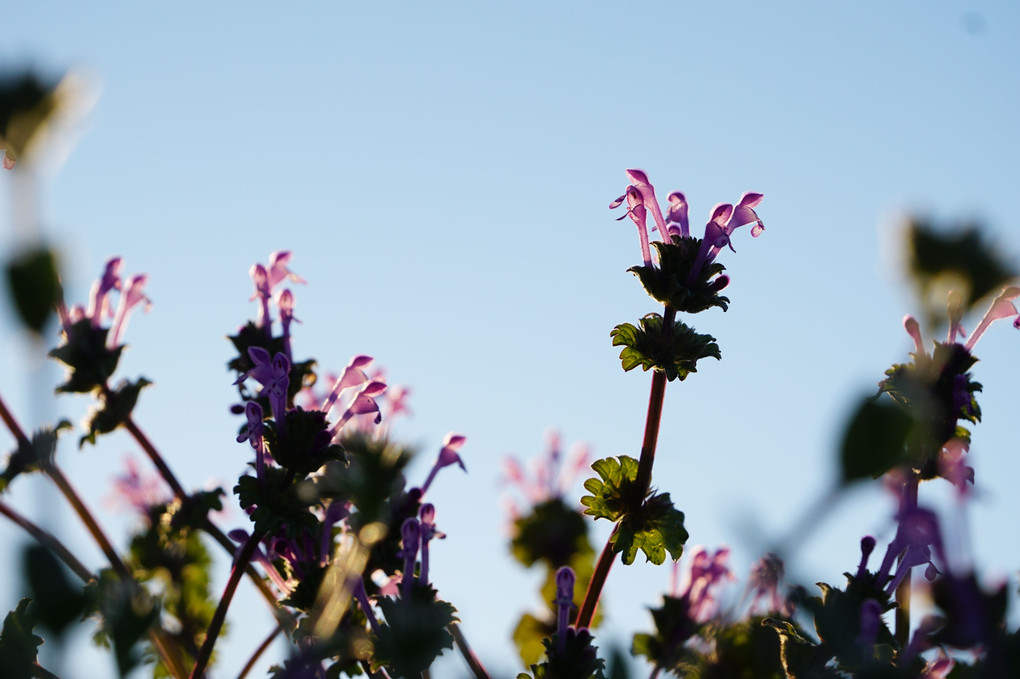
352	376
766	575
286	304
1002	307
278	271
274	376
867	547
130	297
447	456
253	434
706	573
917	533
676	213
260	277
564	601
99	303
954	311
427	521
362	403
639	180
913	329
744	214
358	591
715	238
638	213
952	468
410	533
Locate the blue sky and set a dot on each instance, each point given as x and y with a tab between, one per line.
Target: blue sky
441	172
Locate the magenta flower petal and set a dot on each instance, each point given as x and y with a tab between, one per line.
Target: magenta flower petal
677	212
131	297
913	329
99	303
352	376
8	161
278	271
640	181
1002	307
447	456
744	214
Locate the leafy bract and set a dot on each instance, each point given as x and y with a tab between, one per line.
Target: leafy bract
675	351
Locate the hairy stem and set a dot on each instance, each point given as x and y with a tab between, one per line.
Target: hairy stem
216	624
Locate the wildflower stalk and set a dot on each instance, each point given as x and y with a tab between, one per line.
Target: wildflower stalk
907	503
216	624
469	657
283	619
642	483
258	653
47	540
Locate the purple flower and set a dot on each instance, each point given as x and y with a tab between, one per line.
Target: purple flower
130	297
362	403
274	376
706	573
766	575
677	214
952	468
410	534
638	213
564	602
253	434
869	624
352	376
99	303
138	491
1002	307
427	531
8	160
262	293
916	534
447	456
286	304
278	271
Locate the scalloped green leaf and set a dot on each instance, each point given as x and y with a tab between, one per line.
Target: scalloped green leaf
654	529
675	352
613	492
667	282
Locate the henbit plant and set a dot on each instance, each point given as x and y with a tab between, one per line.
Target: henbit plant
339	544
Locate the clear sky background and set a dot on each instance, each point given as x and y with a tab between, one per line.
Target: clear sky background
441	172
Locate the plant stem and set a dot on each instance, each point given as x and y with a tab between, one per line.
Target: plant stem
47	540
12	424
598	581
908	502
258	653
283	619
642	482
216	624
465	650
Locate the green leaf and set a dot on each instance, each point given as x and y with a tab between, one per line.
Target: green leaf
278	502
415	632
874	441
667	282
655	529
675	351
87	357
18	645
35	286
552	532
56	602
960	259
578	660
116	406
615	492
26	104
33	456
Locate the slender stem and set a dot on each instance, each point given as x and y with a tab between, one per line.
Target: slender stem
156	458
654	417
47	540
283	619
216	624
472	660
642	482
908	502
67	490
598	581
258	653
12	424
